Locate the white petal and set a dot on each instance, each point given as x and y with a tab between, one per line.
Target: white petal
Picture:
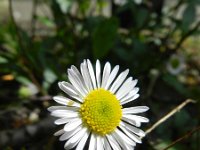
62	121
100	143
112	76
79	78
125	88
64	113
135	110
137	118
106	144
68	88
91	72
86	76
131	94
122	142
98	73
130	99
69	134
76	83
124	137
113	142
106	74
82	142
61	100
73	141
92	144
65	101
135	82
69	145
131	135
69	108
119	81
132	129
72	125
133	122
59	132
65	86
53	108
63	137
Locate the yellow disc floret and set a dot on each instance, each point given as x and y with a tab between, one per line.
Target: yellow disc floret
101	111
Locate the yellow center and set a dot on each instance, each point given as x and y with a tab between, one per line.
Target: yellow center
101	111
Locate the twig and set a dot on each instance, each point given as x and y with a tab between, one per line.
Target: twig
178	108
41	98
188	134
185	36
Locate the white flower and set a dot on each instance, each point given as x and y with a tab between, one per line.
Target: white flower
176	64
95	112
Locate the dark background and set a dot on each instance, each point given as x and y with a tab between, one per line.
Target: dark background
158	40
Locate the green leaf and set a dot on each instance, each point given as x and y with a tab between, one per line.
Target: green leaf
84	6
3	60
46	21
23	80
163	144
123	54
182	118
189	16
141	17
172	81
104	36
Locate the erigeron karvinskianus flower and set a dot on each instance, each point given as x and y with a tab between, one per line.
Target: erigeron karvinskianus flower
94	110
176	64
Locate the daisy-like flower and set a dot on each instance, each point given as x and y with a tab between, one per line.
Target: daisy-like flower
176	64
94	110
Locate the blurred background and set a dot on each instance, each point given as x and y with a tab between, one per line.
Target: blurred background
158	40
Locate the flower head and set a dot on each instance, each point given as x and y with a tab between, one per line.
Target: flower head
94	109
176	64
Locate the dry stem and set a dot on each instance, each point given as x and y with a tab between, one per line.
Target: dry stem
188	134
171	113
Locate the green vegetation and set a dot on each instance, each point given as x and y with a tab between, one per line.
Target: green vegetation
157	40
